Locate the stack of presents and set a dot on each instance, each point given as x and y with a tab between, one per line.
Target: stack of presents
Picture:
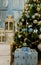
25	56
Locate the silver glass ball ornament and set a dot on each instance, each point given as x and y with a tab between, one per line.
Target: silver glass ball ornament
33	16
35	21
22	19
39	36
39	47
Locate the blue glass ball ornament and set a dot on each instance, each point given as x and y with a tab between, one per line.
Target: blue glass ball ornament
28	16
30	29
24	30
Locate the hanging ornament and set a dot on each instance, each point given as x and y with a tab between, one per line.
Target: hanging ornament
24	44
30	30
38	5
39	15
19	36
39	47
24	30
36	14
33	16
38	9
36	1
35	21
39	23
25	6
39	36
31	5
27	23
29	26
22	19
35	30
20	23
25	39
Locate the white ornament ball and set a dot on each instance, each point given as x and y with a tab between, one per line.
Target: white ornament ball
35	30
39	47
19	36
29	26
35	21
36	14
24	44
40	36
27	23
22	19
33	16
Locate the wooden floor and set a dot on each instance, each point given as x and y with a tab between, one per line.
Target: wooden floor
39	63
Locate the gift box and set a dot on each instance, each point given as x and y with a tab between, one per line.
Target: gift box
25	56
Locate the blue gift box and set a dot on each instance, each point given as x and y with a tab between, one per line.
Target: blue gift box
25	56
25	49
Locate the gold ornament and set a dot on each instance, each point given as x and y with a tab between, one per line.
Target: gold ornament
26	6
38	9
39	23
35	21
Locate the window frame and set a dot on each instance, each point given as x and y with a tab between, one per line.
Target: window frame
4	4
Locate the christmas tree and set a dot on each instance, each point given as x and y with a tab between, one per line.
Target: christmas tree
29	25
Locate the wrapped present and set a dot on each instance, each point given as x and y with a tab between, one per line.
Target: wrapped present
25	56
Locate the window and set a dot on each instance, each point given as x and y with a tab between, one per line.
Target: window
3	38
3	3
11	26
2	18
6	25
18	4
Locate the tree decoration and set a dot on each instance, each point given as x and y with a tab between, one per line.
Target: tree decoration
30	25
40	36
